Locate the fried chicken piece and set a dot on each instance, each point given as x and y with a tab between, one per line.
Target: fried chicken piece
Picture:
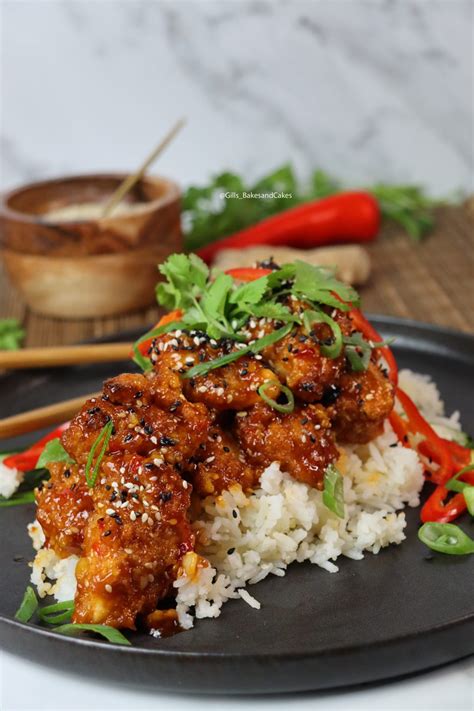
233	386
300	441
297	358
221	465
64	505
133	541
141	425
362	402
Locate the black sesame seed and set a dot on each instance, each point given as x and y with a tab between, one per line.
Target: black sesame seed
244	371
67	473
127	437
148	429
167	441
230	551
226	449
312	438
174	406
166	496
106	533
304	421
138	394
149	465
234	513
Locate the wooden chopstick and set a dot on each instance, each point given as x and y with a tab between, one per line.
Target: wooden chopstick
52	356
42	416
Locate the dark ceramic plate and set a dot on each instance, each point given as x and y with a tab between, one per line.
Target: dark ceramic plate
388	615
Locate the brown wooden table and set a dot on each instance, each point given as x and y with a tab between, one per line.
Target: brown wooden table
432	281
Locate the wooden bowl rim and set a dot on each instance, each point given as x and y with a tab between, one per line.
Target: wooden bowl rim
172	193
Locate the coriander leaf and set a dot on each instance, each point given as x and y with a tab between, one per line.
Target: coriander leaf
28	606
320	285
53	452
186	276
11	334
275	311
250	293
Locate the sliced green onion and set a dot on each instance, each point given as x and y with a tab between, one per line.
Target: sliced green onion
334	349
271	338
28	606
333	494
18	499
140	359
53	452
109	633
358	351
268	340
57	614
469	497
446	538
287	407
203	368
104	438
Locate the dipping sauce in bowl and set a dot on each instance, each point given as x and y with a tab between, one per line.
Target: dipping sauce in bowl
68	260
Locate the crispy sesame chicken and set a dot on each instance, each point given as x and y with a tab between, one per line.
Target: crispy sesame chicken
173	436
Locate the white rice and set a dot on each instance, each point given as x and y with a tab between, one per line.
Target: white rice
243	538
10	480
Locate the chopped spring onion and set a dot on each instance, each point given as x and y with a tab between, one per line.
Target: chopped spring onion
109	633
102	438
18	499
463	487
358	351
333	494
57	614
446	538
330	350
287	407
268	340
28	606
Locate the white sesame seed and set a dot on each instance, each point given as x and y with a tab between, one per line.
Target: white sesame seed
150	521
153	439
128	551
122	470
133	516
157	462
108	588
110	512
209	460
185	484
144	517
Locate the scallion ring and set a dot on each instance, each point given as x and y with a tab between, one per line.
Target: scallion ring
446	538
287	407
331	350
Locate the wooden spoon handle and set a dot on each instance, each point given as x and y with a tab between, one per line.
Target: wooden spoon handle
42	416
64	355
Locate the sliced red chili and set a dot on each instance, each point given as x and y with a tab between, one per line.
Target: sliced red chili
441	509
248	273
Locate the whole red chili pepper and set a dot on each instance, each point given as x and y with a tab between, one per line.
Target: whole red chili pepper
370	333
346	217
26	461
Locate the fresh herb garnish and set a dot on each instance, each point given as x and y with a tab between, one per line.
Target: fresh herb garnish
287	407
11	334
57	614
109	633
103	439
17	499
446	538
208	217
333	493
53	452
28	606
215	305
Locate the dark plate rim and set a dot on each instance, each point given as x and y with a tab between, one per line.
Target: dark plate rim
413	327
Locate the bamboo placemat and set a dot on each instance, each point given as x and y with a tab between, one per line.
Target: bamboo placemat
432	281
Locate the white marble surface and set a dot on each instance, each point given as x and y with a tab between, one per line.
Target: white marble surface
367	89
28	687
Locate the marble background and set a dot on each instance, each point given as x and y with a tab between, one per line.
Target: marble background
366	89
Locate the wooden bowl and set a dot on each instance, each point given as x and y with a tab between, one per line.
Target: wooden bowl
88	267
